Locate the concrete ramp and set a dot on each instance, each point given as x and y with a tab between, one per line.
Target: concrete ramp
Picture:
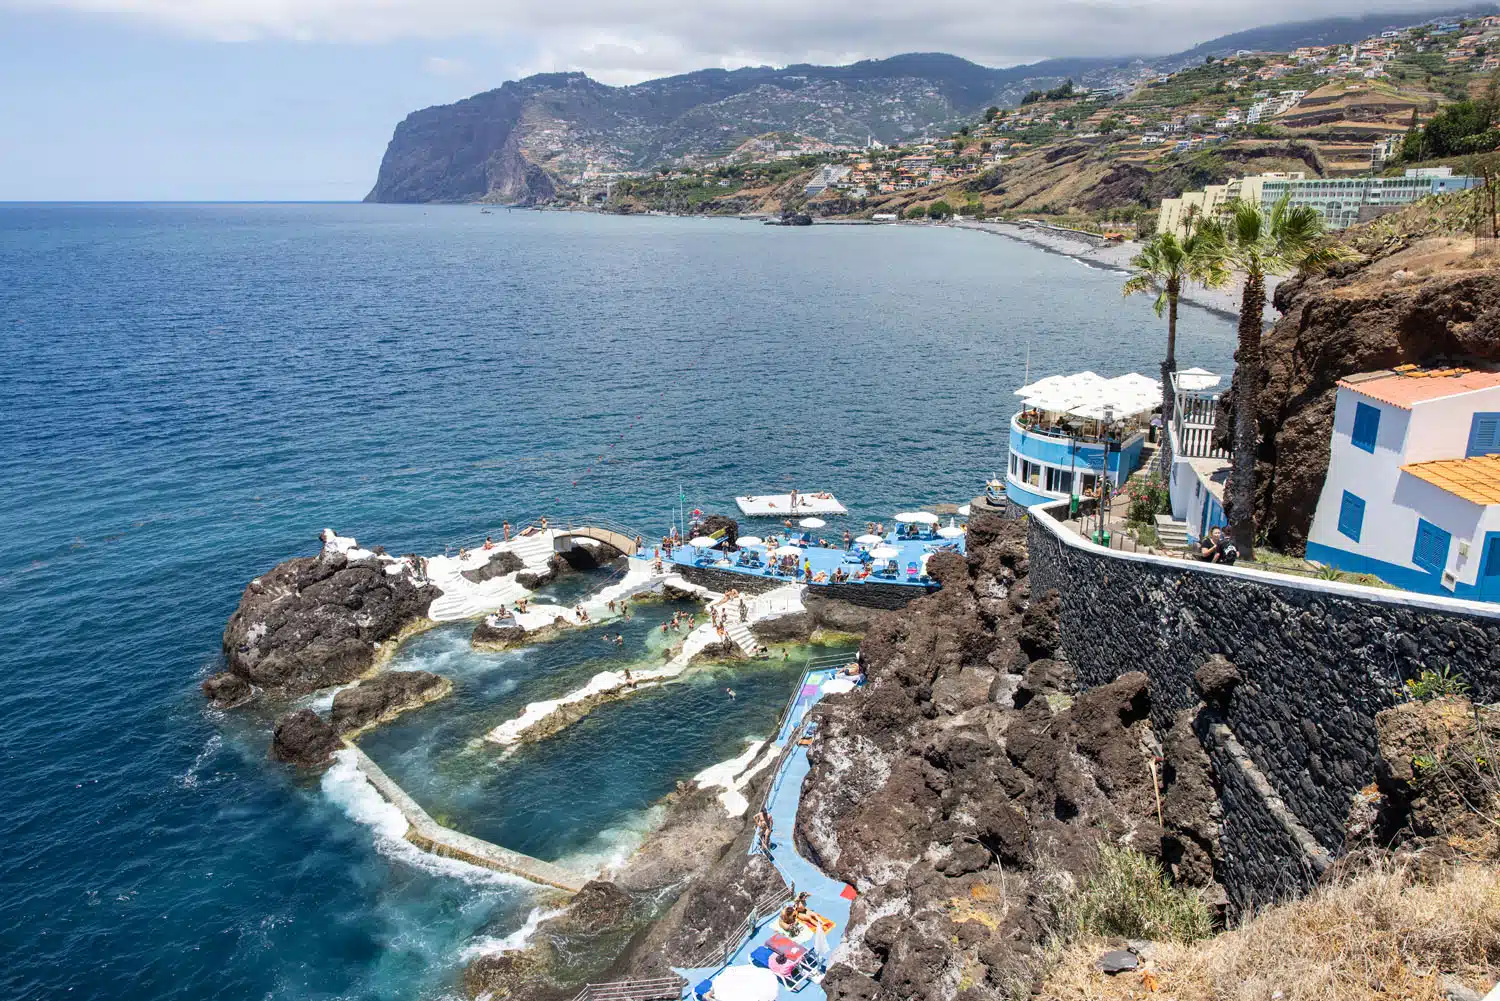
429	835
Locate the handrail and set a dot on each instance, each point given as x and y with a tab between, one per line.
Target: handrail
761	909
633	990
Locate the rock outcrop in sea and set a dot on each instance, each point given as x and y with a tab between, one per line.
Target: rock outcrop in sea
384	697
317	621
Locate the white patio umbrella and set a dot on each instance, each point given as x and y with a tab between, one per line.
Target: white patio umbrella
812	523
907	517
963	512
751	540
788	551
885	552
703	542
746	983
925	517
869	540
950	531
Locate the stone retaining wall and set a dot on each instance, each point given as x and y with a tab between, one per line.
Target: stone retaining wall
1318	660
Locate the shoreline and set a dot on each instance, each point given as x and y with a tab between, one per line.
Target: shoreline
1116	257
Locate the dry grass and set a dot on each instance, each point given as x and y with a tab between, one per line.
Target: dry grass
1377	937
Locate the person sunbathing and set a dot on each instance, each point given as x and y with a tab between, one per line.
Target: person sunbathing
787	922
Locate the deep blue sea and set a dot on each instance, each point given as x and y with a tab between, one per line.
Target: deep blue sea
189	393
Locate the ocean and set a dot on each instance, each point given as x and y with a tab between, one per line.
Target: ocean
191	392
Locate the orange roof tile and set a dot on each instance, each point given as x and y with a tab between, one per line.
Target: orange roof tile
1408	384
1476	480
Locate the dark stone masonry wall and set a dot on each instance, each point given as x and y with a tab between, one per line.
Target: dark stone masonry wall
1318	661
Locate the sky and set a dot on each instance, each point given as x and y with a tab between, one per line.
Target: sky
188	100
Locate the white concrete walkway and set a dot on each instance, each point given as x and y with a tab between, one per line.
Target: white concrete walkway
782	601
464	599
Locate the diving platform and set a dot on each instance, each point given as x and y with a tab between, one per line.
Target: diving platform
428	835
780	505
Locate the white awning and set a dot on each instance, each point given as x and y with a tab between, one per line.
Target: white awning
1089	396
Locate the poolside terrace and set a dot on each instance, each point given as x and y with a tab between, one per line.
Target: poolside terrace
898	557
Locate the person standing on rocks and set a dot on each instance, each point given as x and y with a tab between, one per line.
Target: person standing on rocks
763	827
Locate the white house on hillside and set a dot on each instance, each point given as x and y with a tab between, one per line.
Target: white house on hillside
1413	487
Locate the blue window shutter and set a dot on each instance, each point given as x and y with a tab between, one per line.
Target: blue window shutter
1431	550
1366	426
1492	557
1484	435
1351	516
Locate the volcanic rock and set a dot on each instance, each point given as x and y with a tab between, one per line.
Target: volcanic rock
1217	679
227	690
321	620
384	697
497	637
303	738
499	565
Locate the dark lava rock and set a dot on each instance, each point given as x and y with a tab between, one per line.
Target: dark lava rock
317	621
590	555
500	564
1217	679
498	637
227	690
303	738
718	523
384	696
531	580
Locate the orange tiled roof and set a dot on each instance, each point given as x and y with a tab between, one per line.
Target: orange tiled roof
1476	480
1409	384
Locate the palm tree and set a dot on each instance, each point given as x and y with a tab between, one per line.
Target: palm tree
1257	243
1162	266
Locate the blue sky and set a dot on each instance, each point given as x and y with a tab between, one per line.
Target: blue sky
296	99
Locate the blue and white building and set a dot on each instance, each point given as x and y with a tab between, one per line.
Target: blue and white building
1413	487
1200	469
1075	430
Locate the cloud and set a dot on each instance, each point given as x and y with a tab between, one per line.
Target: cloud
445	66
629	40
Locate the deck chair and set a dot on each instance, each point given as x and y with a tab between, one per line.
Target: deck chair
762	957
911	569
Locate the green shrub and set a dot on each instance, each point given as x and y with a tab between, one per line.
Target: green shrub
1438	684
1148	499
917	212
1127	896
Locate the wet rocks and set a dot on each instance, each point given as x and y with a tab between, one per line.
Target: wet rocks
498	636
533	580
384	697
317	621
226	690
304	739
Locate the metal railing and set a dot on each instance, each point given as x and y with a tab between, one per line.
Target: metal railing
762	910
656	989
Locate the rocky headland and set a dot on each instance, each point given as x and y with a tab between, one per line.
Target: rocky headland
317	621
972	794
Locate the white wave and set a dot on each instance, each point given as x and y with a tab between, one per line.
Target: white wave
189	778
491	945
611	847
350	791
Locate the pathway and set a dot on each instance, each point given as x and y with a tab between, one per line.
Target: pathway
429	835
829	897
781	601
464	599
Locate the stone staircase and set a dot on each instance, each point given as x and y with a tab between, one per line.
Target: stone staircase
740	633
1173	534
463	599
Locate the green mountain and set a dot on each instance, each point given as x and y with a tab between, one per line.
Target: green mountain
519	142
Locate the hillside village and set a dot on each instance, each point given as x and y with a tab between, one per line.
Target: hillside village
1104	158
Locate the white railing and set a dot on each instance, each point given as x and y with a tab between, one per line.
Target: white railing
763	909
657	989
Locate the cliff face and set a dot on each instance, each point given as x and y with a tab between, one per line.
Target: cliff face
519	142
1421	298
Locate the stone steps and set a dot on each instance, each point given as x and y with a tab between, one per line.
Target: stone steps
1173	534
